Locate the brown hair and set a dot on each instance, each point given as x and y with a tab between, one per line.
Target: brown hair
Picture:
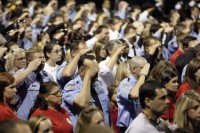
190	77
5	80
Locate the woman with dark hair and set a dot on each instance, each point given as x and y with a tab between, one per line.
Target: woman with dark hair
48	104
7	96
192	78
169	80
100	52
52	53
160	67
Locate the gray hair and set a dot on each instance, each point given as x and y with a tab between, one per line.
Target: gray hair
137	61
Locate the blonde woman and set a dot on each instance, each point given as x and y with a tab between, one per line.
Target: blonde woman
187	111
41	124
123	71
16	60
88	116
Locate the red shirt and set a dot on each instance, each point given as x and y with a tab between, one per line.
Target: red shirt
6	112
183	88
176	54
170	112
60	119
114	114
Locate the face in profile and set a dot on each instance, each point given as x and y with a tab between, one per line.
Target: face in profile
10	94
172	85
55	97
159	105
194	111
103	52
55	54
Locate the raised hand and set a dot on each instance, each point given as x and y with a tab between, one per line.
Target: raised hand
145	69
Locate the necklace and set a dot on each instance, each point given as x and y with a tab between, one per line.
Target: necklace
153	122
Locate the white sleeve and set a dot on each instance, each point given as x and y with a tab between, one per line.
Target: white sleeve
143	16
90	43
105	75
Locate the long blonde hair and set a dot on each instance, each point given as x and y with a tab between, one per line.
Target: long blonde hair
182	105
121	72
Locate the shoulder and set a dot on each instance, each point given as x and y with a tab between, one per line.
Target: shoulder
74	83
37	112
184	87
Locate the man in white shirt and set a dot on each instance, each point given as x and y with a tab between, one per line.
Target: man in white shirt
154	102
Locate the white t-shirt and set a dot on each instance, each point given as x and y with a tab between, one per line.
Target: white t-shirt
51	70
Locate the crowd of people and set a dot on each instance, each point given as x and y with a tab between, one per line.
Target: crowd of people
67	67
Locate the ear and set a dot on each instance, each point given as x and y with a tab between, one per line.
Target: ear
147	102
28	60
198	55
133	69
147	49
46	97
72	53
81	71
48	54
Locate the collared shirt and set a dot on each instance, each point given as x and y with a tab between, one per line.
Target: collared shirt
142	125
28	91
51	70
127	109
63	81
105	74
183	73
26	44
71	91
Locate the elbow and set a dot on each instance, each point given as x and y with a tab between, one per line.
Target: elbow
133	96
81	104
84	105
67	74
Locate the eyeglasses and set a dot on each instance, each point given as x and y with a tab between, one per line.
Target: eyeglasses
57	51
57	94
22	58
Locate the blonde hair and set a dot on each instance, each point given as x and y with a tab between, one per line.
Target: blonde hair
85	117
9	65
182	105
35	121
121	72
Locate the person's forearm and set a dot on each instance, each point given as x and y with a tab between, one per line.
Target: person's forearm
134	93
83	98
21	76
70	69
